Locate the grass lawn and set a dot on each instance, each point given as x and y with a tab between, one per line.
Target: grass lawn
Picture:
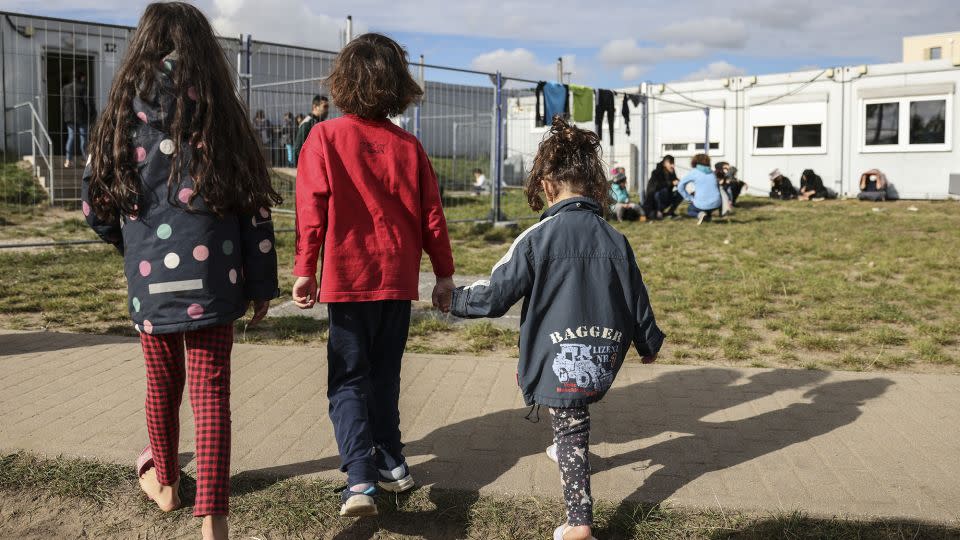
823	285
59	498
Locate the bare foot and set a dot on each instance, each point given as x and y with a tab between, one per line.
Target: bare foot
166	497
581	532
215	528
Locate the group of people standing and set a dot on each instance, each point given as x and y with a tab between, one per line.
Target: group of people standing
706	190
282	142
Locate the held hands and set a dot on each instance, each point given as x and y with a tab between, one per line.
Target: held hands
443	294
305	292
649	359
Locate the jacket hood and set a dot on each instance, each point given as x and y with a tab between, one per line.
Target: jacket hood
573	204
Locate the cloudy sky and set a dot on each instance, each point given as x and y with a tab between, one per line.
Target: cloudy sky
604	43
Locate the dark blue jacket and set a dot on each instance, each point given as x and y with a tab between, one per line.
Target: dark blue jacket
185	269
584	304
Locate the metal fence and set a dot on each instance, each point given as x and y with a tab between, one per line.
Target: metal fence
455	121
462	120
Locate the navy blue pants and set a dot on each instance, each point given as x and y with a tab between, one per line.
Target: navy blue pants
693	211
365	347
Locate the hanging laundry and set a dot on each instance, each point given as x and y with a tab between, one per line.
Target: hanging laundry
539	112
582	103
556	99
604	107
625	108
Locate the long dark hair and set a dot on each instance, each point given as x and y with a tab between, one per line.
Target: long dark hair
569	156
227	166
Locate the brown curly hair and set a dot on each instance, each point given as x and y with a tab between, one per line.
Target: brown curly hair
227	165
371	78
570	157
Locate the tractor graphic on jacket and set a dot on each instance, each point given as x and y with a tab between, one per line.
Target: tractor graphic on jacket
575	363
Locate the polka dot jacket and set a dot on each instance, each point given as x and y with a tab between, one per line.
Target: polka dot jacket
185	270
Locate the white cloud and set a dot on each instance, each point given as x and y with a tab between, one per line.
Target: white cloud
280	21
621	52
523	63
632	73
708	32
715	70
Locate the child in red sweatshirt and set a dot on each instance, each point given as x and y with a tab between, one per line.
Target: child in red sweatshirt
369	202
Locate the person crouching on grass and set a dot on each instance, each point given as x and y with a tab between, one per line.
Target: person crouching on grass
367	196
584	305
177	183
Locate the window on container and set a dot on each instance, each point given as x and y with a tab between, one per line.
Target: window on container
934	53
928	123
713	146
807	136
676	147
883	124
769	136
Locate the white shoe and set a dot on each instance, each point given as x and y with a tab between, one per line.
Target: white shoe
396	481
700	217
356	504
552	453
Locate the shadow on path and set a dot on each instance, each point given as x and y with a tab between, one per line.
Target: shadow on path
470	455
32	342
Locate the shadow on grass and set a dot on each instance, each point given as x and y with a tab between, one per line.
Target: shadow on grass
753	202
469	455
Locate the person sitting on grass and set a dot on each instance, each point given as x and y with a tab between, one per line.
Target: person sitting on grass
622	208
480	182
177	183
705	197
585	304
368	201
781	187
811	186
873	186
662	199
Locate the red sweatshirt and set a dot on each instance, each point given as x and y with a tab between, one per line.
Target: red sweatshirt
368	198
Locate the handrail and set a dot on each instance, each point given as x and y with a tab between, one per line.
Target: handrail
35	123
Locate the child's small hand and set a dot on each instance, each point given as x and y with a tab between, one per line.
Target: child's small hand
649	359
260	308
305	292
443	294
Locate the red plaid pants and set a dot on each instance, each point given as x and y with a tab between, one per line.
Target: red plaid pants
208	371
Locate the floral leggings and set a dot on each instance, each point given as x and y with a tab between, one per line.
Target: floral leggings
571	433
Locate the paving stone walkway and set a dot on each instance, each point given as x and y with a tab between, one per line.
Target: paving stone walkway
851	444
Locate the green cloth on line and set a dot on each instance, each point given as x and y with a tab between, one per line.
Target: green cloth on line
582	103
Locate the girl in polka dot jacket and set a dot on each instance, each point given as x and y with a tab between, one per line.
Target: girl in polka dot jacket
176	181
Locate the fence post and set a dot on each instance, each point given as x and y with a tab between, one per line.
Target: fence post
248	53
498	173
244	75
706	141
416	110
644	145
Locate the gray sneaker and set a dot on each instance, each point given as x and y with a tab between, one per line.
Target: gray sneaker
396	481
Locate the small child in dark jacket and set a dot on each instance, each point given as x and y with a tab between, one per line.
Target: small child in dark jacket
368	205
176	181
584	304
